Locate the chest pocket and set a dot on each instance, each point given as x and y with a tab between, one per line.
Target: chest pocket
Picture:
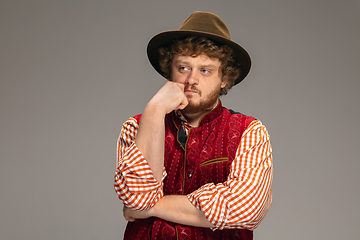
214	170
213	161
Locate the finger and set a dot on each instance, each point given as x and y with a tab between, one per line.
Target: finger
182	106
125	213
184	102
130	219
181	85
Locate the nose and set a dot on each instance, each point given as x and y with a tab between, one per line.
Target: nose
193	77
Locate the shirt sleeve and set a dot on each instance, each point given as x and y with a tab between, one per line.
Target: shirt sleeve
244	199
134	180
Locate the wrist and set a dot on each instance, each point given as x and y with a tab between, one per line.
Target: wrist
152	212
155	109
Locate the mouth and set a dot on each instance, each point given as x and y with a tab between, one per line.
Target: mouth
191	91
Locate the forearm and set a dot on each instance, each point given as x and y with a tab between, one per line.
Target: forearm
178	209
151	134
150	139
173	208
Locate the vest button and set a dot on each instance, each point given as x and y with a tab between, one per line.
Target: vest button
190	175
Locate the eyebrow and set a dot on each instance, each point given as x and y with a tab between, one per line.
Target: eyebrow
185	62
180	61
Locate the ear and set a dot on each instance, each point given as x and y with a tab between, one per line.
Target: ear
224	81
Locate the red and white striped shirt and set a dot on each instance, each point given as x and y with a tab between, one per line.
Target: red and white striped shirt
240	202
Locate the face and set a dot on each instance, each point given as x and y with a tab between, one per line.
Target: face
202	80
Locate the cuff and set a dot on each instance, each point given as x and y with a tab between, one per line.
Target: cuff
137	173
211	203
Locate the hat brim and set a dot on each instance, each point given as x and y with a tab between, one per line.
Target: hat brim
159	40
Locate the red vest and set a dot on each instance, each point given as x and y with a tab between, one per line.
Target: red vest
202	157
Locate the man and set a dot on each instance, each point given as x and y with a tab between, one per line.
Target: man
189	168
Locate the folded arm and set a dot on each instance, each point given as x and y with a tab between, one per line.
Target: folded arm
244	199
134	180
240	202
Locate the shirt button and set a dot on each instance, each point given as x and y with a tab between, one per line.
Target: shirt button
190	175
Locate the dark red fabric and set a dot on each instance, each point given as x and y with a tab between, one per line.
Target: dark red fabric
210	150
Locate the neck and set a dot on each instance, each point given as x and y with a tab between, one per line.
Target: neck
195	118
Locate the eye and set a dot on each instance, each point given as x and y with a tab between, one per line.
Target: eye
205	71
183	68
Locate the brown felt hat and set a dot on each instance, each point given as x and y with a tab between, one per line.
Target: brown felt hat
202	24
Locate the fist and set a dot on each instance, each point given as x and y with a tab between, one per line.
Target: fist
170	97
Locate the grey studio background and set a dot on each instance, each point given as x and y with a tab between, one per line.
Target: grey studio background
71	72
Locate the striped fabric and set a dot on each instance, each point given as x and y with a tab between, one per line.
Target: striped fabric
240	202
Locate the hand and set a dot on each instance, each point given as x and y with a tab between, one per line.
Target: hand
170	97
132	215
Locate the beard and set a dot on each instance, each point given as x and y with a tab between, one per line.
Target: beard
204	104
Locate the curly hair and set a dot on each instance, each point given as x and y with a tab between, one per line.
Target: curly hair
195	46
